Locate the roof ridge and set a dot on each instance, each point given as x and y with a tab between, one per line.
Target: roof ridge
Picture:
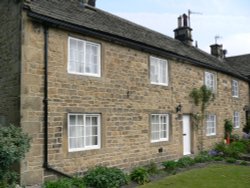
133	23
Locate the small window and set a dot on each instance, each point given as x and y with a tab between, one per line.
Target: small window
83	57
236	120
158	71
83	132
159	127
211	125
210	81
235	88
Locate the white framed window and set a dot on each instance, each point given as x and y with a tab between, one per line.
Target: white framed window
235	88
236	120
159	127
158	71
84	57
83	132
211	125
210	81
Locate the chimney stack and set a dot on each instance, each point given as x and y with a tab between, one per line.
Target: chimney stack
217	51
92	2
88	2
184	33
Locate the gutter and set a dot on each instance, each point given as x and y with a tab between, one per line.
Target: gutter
126	42
45	102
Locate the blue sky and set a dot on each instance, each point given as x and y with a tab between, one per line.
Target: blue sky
229	19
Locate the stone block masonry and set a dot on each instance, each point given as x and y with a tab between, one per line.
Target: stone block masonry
122	95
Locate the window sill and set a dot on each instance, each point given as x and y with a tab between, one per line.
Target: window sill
83	74
160	143
211	135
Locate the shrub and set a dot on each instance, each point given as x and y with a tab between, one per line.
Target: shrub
247	145
170	165
235	137
203	157
103	177
152	168
65	183
235	149
140	175
218	158
185	162
13	146
228	126
230	160
220	148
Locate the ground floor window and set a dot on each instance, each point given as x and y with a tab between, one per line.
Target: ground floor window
83	131
159	127
236	119
211	125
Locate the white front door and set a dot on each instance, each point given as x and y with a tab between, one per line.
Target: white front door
186	135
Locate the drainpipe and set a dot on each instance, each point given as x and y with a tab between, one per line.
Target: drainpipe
45	102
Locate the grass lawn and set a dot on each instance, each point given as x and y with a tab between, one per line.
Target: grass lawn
213	176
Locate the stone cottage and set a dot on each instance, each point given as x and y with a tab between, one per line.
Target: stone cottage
94	89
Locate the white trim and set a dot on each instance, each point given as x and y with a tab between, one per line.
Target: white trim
210	77
98	74
214	123
152	58
98	146
235	88
161	139
238	119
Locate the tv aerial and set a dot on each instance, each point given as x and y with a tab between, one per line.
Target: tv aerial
216	37
189	15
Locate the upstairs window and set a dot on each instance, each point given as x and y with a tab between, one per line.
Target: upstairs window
83	132
210	81
236	120
159	127
83	57
158	71
235	88
211	125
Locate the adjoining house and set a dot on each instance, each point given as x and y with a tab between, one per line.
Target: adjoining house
94	89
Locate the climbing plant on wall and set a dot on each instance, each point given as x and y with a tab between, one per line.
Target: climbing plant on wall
201	98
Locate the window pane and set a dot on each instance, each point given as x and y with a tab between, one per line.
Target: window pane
80	120
153	72
72	120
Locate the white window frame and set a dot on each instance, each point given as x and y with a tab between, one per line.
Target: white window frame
156	75
163	134
235	88
236	119
211	125
81	52
210	81
84	134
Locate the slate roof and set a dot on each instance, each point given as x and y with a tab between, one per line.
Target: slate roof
70	13
240	63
